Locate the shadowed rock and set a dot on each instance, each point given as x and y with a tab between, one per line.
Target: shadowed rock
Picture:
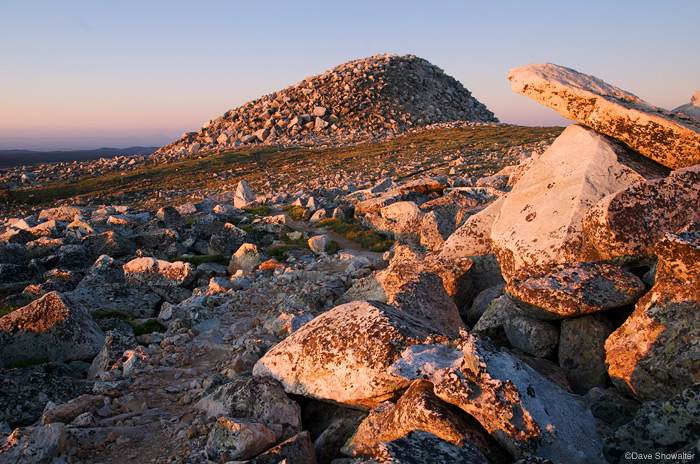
523	411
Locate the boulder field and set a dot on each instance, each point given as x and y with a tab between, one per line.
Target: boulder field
548	312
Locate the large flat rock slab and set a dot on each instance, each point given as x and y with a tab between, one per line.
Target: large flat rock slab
665	137
570	290
342	355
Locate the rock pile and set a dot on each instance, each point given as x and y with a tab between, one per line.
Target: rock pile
547	313
358	100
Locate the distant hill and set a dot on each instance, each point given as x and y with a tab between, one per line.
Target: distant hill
10	158
370	97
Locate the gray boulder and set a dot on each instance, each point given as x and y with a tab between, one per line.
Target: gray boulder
54	328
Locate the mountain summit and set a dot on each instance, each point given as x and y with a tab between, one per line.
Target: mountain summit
361	99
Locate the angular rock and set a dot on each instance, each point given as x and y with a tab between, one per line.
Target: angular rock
117	341
61	213
418	290
655	353
168	215
473	238
568	290
246	258
318	243
692	108
524	412
582	351
541	219
663	427
631	221
680	254
237	439
405	216
156	272
434	230
654	132
104	289
109	243
260	399
68	411
34	445
244	195
417	409
54	328
342	355
492	323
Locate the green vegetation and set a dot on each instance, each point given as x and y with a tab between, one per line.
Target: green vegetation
140	328
197	260
6	309
261	210
295	212
332	247
485	149
146	327
279	250
26	363
367	238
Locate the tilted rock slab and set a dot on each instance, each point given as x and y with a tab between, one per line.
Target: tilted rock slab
576	289
526	413
431	289
541	219
342	355
656	133
631	221
54	328
151	271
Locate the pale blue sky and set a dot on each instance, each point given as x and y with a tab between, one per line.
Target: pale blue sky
125	70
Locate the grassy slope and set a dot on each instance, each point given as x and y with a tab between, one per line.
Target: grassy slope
404	157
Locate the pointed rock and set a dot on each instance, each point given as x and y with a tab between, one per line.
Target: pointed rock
244	195
541	219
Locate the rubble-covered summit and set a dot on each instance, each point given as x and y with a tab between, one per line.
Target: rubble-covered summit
358	100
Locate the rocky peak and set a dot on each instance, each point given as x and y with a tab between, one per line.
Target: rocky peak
361	99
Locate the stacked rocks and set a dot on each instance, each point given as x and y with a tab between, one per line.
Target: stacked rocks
361	99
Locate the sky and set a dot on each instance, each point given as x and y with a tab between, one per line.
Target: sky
87	74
